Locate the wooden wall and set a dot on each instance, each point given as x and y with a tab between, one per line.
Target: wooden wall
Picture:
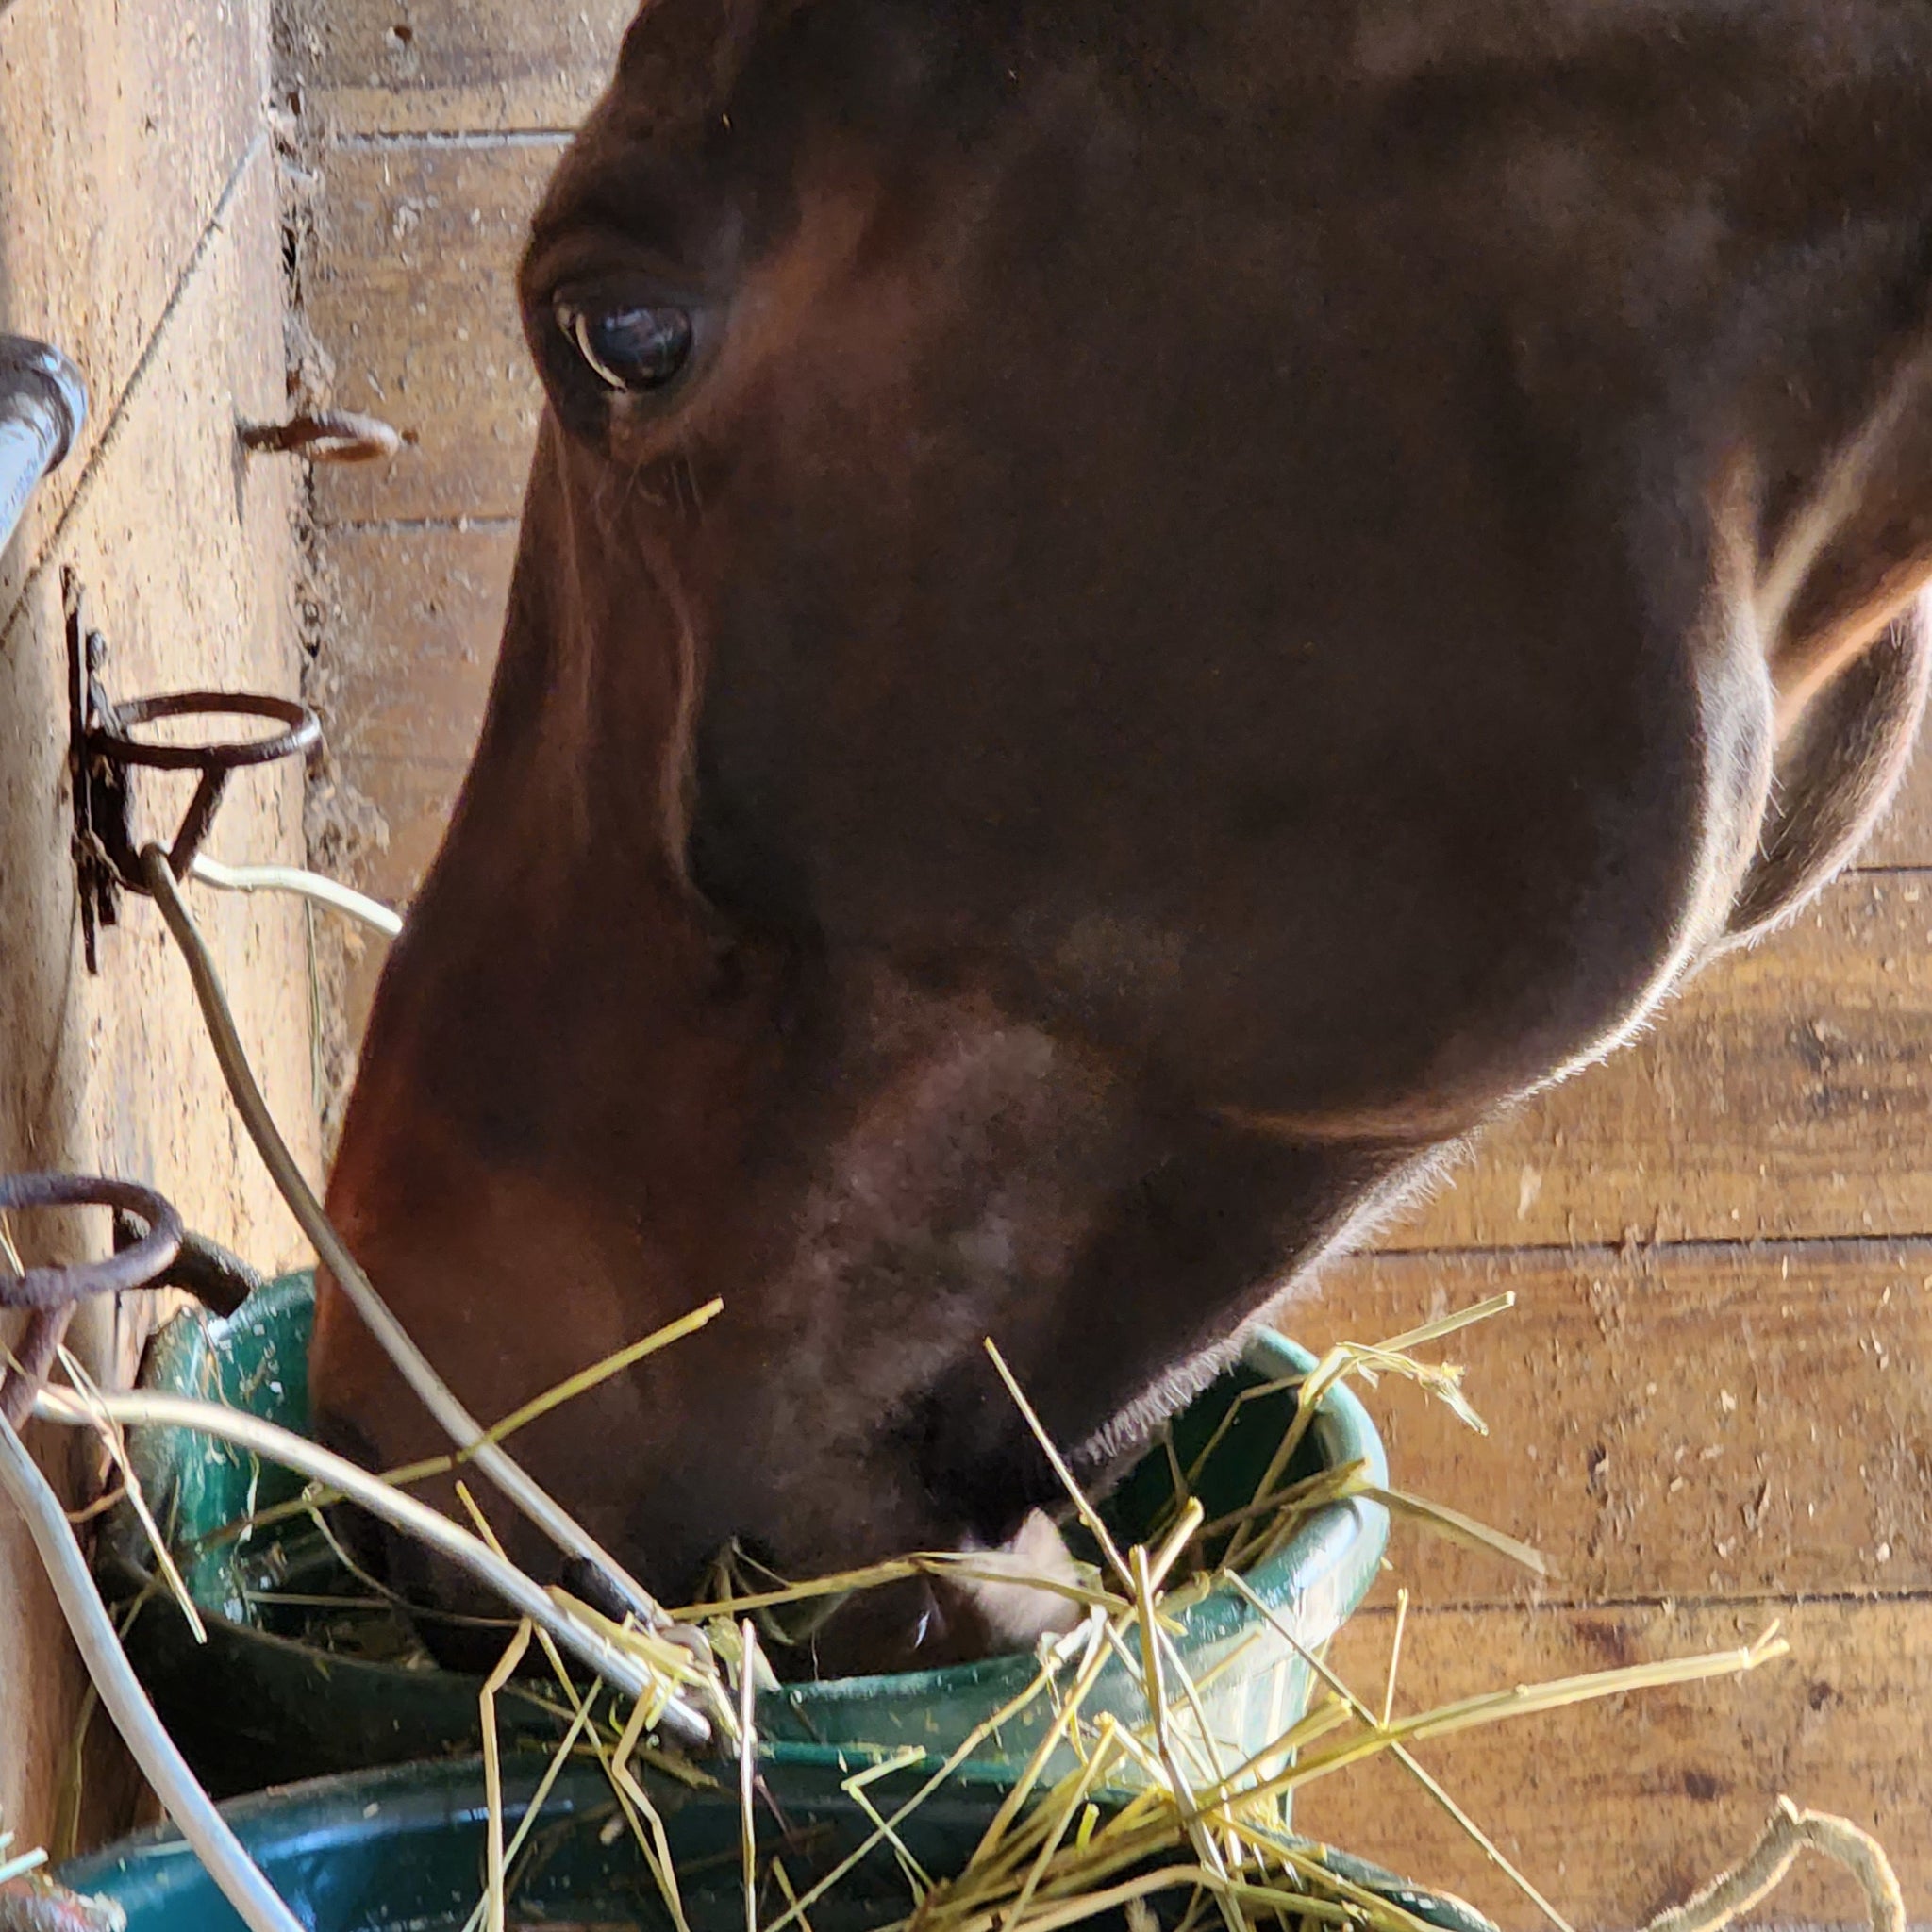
1711	1408
432	128
140	229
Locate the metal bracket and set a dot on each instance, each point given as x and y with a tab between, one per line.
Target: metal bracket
333	436
151	1250
100	793
104	753
49	1294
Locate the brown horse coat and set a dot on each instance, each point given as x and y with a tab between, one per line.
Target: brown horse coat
1131	616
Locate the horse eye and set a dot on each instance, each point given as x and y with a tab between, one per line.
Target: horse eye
630	350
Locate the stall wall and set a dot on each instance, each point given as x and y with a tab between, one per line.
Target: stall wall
140	229
430	129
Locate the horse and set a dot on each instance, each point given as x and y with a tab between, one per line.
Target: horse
1129	619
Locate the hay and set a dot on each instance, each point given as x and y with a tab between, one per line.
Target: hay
747	1768
18	1864
1151	1813
114	1440
494	1889
1087	1843
1051	1859
1753	1881
650	1667
1207	1839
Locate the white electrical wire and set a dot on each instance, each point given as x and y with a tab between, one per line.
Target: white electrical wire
143	1409
292	878
191	1808
415	1367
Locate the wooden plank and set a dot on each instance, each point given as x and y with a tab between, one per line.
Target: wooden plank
120	128
411	288
1707	1422
42	1679
186	551
450	66
186	554
1905	838
415	616
122	131
1780	1096
1619	1809
415	803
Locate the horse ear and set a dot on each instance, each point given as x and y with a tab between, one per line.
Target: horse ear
1843	747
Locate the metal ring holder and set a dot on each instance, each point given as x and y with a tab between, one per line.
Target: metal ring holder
104	753
49	1294
111	740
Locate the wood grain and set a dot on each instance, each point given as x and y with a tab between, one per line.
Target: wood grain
120	129
410	287
414	619
414	615
185	548
125	211
1905	838
414	802
1784	1093
1619	1809
451	66
1680	1422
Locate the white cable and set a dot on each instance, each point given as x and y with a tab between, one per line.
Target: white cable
396	1341
292	878
265	1439
191	1808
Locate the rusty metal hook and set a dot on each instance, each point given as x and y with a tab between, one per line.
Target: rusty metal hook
103	752
49	1294
326	435
111	740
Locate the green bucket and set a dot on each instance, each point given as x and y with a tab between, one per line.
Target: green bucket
276	1694
402	1850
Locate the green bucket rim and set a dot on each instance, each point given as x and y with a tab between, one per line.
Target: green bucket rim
303	1833
1318	1577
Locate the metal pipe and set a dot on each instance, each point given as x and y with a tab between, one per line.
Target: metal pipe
43	404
